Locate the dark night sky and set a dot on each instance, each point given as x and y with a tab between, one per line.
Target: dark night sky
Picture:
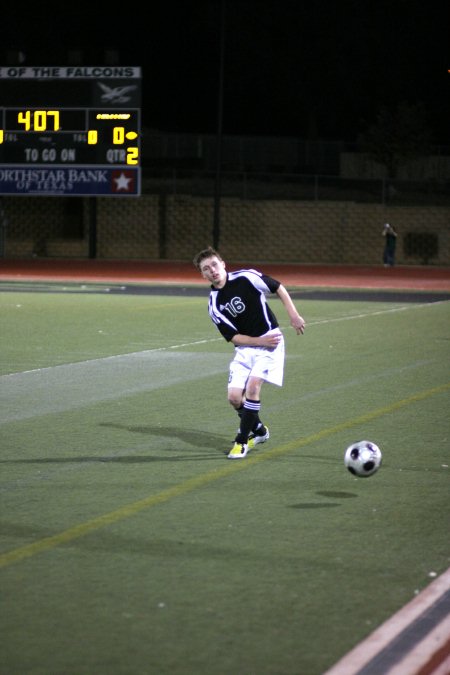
316	68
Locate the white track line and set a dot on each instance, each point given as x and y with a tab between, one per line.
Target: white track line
383	639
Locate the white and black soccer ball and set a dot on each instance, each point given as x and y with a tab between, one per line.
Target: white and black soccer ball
363	458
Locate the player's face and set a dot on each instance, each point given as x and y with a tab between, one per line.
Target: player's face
214	271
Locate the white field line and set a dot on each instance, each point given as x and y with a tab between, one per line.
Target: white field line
69	386
220	339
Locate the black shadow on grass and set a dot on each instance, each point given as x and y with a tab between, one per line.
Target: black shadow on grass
216	444
192	436
323	505
336	495
314	505
135	459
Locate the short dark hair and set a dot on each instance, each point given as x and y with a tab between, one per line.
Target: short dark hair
206	253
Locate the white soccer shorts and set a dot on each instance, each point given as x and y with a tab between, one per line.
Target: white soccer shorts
268	364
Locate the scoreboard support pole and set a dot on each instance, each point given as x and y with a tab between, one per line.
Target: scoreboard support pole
3	224
92	225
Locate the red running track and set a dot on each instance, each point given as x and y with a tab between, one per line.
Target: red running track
175	272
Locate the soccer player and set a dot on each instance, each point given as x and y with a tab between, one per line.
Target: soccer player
238	307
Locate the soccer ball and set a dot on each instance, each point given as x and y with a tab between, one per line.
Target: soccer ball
363	458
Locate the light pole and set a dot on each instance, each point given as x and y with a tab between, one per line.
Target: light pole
217	189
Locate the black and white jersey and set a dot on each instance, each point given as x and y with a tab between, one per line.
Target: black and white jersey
241	307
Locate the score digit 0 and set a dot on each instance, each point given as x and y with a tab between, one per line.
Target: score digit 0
119	137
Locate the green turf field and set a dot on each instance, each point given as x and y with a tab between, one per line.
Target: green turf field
130	545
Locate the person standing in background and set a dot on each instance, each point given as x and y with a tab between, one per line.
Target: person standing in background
390	243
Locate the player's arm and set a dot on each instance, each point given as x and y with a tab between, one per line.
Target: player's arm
297	321
269	341
240	340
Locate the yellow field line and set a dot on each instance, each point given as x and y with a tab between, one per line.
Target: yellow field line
83	529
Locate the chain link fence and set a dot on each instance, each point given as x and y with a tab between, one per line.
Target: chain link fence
287	200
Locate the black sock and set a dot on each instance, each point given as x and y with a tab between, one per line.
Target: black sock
249	415
258	428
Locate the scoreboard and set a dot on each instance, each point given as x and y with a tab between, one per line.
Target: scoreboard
70	131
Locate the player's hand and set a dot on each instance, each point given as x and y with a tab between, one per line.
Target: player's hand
299	324
272	340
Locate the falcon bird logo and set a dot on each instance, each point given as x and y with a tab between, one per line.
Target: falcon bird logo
116	94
